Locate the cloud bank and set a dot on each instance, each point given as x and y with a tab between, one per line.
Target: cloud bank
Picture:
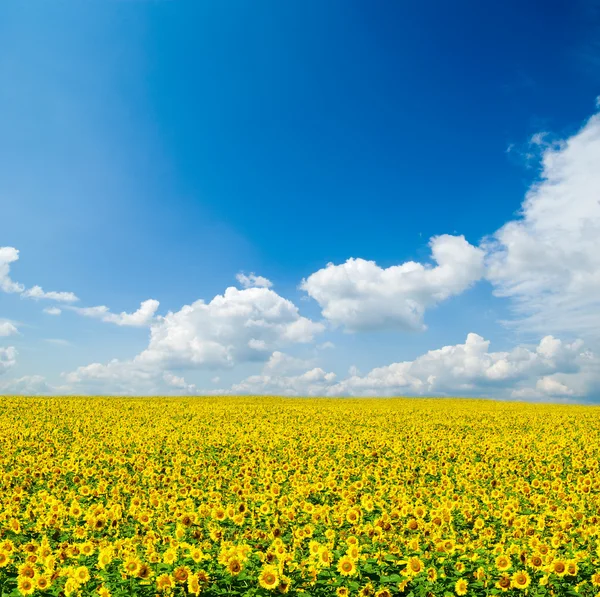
361	296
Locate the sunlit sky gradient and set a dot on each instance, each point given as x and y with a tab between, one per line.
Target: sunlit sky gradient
445	159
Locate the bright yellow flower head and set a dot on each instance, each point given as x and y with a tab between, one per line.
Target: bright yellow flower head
461	586
268	578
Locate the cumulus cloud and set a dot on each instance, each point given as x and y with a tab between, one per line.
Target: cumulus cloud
179	383
140	318
325	345
124	378
310	383
472	369
28	385
280	363
360	295
115	377
240	325
253	281
553	370
52	311
37	293
8	255
548	260
7	328
8	358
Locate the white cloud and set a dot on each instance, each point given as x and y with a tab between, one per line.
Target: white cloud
52	310
8	255
7	328
37	293
124	378
253	281
360	295
281	363
325	346
115	377
552	370
144	316
471	369
548	260
310	383
29	385
179	383
240	325
8	358
552	387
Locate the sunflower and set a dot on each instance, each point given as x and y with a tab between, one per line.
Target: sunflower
383	593
284	585
25	585
353	552
234	566
26	570
268	578
181	574
104	558
572	568
596	579
535	561
15	526
165	582
342	592
520	579
412	524
169	556
325	557
460	587
479	574
71	586
82	574
431	574
193	585
503	562
559	567
42	582
131	566
504	582
346	566
414	566
313	547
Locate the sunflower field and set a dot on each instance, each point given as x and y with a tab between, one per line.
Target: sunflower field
306	497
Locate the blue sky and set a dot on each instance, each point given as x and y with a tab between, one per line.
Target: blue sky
155	150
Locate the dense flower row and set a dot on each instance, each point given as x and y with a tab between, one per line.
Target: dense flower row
255	496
